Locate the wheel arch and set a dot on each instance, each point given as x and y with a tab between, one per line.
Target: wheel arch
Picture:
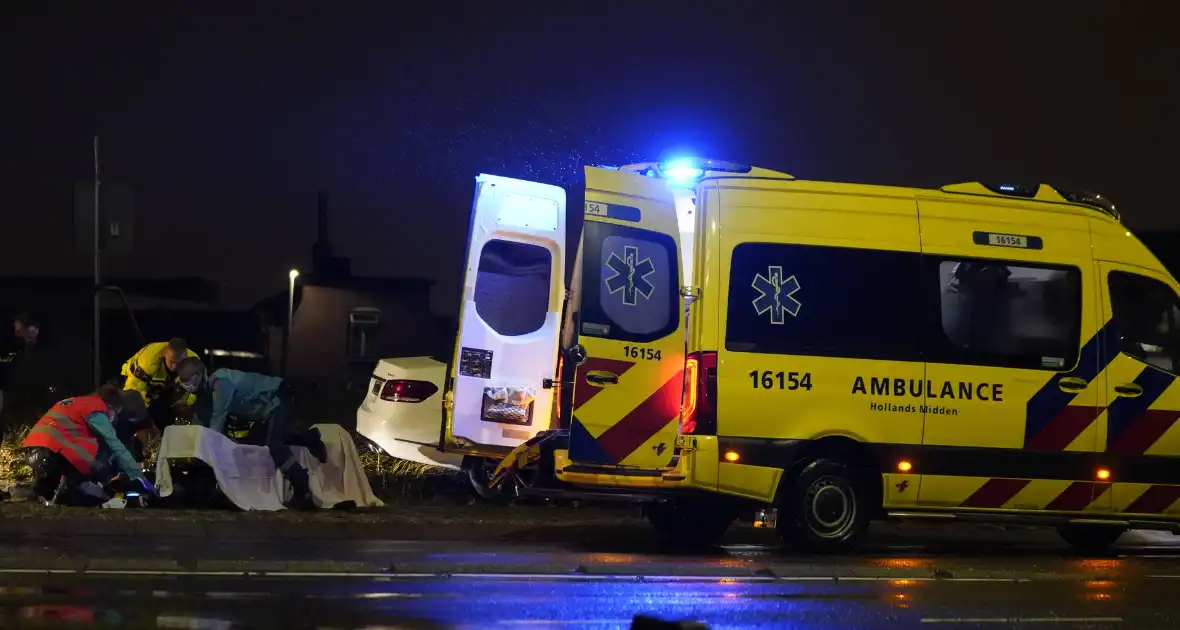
844	449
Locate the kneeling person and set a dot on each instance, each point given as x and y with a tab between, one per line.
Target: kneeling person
74	441
256	396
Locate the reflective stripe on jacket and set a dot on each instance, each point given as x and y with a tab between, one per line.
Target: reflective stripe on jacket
146	373
63	430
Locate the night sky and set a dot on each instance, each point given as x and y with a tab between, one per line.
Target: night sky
228	122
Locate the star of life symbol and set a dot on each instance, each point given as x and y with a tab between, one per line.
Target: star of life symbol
630	275
776	295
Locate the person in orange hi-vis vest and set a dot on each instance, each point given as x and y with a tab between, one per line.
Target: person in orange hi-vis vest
75	442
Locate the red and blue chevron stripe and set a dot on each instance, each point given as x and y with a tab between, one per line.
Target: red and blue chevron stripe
1132	426
650	416
1052	422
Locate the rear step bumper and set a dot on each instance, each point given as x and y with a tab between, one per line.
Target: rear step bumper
577	469
1036	519
621	495
619	478
595	496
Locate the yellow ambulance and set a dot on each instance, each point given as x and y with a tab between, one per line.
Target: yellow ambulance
737	341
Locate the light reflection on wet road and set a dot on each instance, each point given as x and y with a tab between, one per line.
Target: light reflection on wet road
474	602
137	582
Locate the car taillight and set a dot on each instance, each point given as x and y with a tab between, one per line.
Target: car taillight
698	414
407	391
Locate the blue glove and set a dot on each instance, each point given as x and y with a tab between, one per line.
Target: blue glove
149	487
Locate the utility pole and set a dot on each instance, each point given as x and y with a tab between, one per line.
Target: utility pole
97	274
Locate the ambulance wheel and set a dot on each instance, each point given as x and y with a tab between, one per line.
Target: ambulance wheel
690	525
824	508
1088	538
479	472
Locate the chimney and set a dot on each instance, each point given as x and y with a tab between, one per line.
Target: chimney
323	263
322	217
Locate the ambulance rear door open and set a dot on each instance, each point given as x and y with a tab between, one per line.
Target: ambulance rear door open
628	387
500	382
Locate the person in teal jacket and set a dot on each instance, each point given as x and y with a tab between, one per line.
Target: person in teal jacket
255	396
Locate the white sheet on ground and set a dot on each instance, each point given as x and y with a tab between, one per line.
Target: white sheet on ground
247	476
342	478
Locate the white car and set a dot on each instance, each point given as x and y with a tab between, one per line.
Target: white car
402	411
402	415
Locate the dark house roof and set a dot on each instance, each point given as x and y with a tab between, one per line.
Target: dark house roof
274	307
205	330
366	283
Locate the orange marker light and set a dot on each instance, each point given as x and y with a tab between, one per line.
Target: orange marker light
1103	474
904	465
732	456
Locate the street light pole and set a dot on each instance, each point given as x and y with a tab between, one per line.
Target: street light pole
97	274
291	276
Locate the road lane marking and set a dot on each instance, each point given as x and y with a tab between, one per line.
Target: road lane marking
562	622
1025	620
568	577
589	577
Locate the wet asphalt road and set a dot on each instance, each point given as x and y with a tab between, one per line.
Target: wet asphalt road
964	583
474	602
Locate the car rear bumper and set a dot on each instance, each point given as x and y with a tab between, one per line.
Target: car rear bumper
395	439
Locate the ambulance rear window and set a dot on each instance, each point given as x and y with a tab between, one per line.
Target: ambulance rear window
631	283
512	286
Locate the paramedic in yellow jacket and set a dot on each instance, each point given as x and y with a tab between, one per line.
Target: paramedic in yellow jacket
152	373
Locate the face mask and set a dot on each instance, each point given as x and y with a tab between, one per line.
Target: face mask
189	387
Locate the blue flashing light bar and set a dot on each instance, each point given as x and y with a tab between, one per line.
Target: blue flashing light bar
686	172
682	171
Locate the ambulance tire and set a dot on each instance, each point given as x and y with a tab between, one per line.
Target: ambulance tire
824	508
689	525
1088	538
479	471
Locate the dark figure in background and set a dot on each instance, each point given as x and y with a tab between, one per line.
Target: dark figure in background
257	397
26	373
74	449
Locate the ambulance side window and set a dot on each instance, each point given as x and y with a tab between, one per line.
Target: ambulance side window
1146	316
512	286
630	284
821	301
1003	314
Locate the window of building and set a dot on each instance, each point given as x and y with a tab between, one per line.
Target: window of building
824	301
512	286
631	284
1146	316
998	313
364	327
